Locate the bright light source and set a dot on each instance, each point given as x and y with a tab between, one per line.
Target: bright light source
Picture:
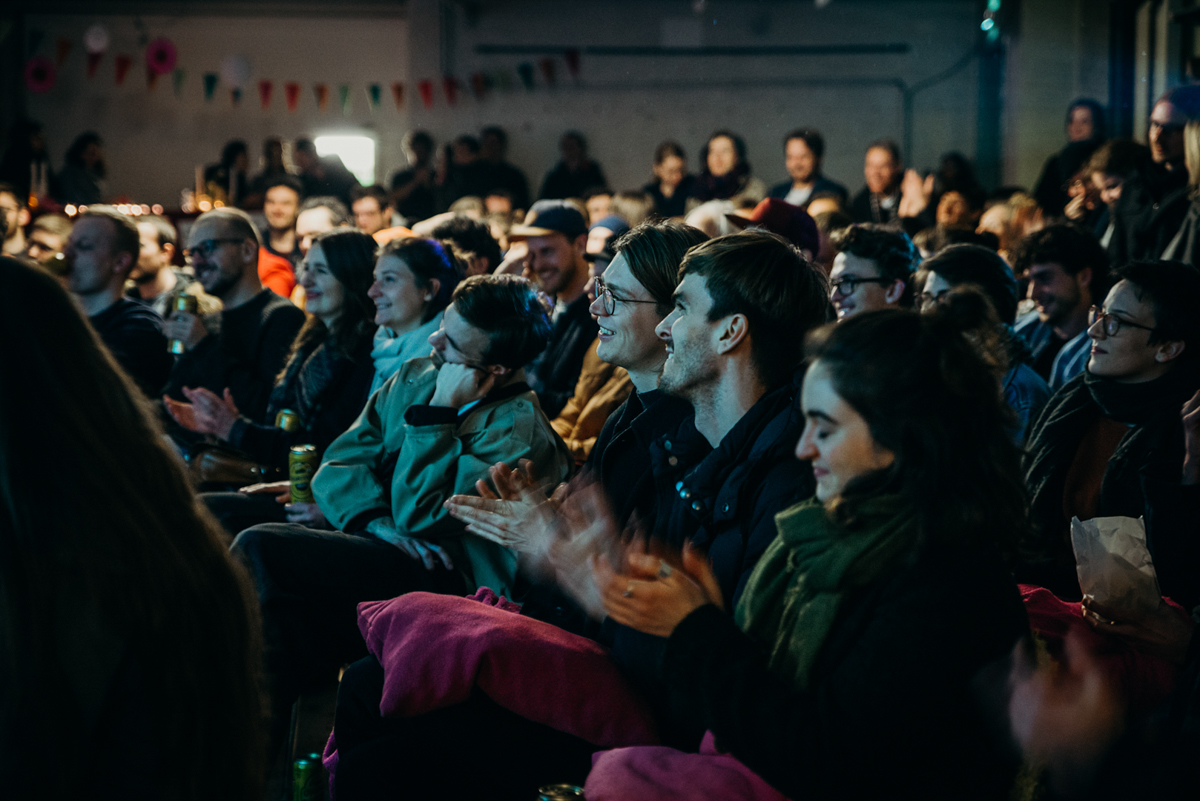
987	24
357	152
70	210
157	208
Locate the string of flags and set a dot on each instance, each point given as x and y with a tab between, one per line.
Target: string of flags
235	71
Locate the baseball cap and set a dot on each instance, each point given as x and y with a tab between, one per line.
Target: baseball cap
791	222
548	217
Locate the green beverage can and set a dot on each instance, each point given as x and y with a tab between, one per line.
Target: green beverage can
560	792
188	304
302	463
288	420
306	780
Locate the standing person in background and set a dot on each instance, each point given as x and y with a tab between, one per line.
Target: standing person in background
498	173
672	184
132	663
281	205
726	171
227	181
100	254
81	181
273	167
879	200
1152	205
413	189
371	210
803	151
26	164
1085	133
1185	246
575	174
1105	174
322	175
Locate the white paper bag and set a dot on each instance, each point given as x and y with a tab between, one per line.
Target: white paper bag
1113	564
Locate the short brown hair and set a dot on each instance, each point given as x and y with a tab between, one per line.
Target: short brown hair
126	238
654	252
764	277
509	309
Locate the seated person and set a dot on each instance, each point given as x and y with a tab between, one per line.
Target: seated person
432	430
716	477
156	282
414	279
242	349
828	680
974	265
1110	442
47	237
556	235
131	646
873	269
101	252
474	239
325	384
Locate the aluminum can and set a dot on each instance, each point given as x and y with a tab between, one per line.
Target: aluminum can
188	304
560	792
306	780
288	420
302	463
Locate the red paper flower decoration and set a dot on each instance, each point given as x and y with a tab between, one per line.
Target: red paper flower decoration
39	74
161	56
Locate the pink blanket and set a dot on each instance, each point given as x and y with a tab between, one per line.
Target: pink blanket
652	773
1143	681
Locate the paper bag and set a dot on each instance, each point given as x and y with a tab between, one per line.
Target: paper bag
1113	564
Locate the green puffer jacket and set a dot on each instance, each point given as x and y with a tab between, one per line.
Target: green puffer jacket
433	462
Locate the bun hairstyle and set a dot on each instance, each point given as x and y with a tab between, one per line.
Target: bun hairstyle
931	394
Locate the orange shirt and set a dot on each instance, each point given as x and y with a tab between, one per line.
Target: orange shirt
276	273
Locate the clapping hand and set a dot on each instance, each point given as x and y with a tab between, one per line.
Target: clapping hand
207	413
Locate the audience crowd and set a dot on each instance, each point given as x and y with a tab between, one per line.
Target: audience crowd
707	489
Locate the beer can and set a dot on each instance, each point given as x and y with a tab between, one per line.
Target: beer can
302	463
560	792
306	780
288	420
188	304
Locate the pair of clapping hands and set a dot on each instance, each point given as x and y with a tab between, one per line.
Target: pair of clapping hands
571	536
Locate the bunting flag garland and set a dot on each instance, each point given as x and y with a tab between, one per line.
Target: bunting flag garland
123	63
398	95
426	90
151	78
547	65
450	87
374	93
39	75
93	61
291	92
235	95
322	93
525	70
265	88
344	98
210	84
479	85
572	59
177	76
62	51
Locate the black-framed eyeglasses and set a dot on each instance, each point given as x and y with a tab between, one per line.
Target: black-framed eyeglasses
1112	323
1167	127
609	300
848	284
927	300
207	247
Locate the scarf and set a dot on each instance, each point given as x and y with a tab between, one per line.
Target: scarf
794	593
1154	442
392	350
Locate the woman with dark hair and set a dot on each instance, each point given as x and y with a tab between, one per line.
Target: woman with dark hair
325	382
672	184
414	280
1085	133
726	172
81	181
847	666
131	645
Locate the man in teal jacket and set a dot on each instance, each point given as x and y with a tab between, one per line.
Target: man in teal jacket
430	432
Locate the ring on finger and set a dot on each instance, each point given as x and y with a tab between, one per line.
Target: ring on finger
628	591
664	570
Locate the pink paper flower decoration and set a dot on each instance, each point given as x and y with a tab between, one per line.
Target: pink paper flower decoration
39	74
161	56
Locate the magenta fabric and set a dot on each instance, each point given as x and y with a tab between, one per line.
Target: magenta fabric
1144	681
653	773
436	648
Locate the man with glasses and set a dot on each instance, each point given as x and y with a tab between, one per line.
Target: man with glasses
1067	271
242	349
1152	205
16	217
872	270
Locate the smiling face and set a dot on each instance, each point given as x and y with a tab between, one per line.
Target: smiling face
459	342
870	295
1166	133
836	438
220	270
799	160
627	336
1109	188
880	170
1128	357
1081	126
554	261
1057	294
399	302
279	207
323	294
691	340
722	156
